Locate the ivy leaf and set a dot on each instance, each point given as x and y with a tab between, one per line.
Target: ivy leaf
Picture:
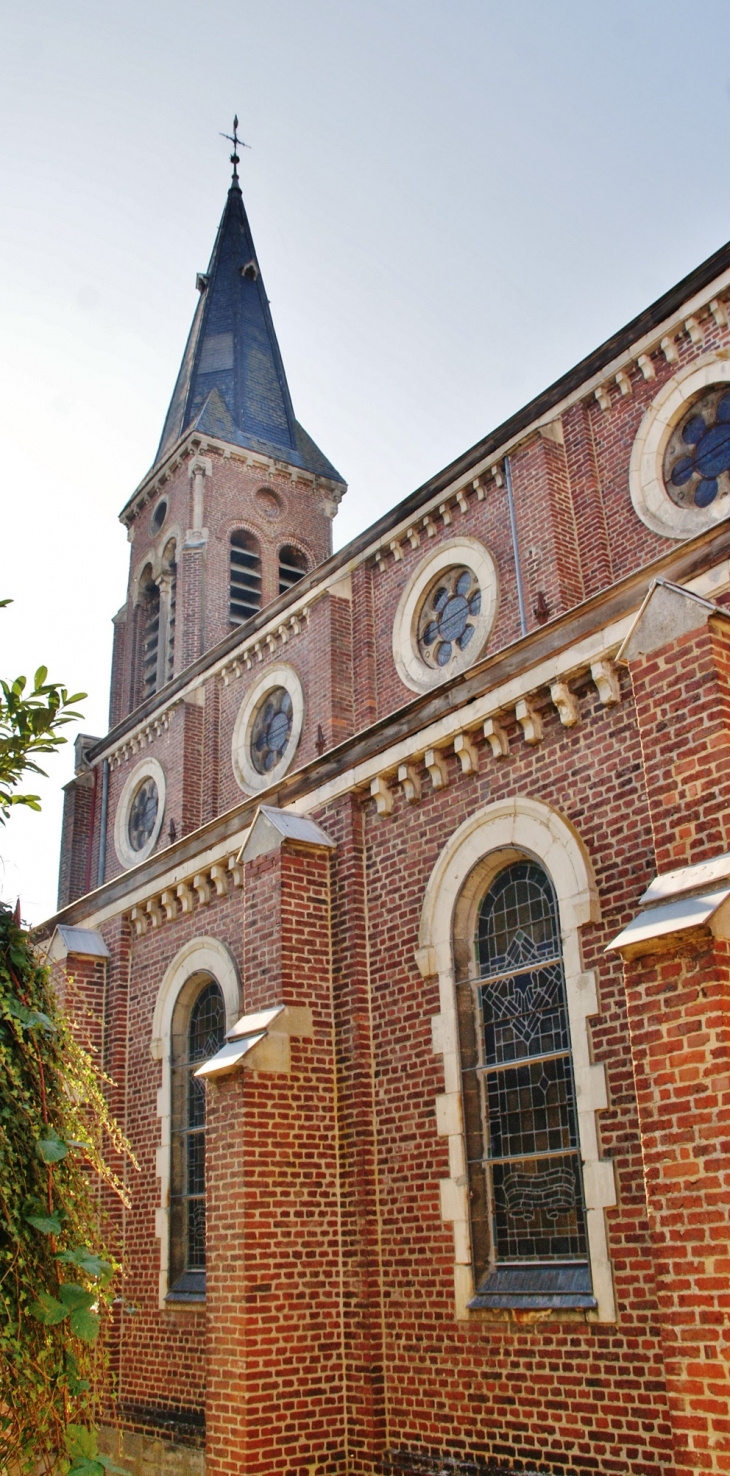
80	1441
87	1261
47	1224
82	1466
47	1310
72	1295
76	1385
51	1148
85	1325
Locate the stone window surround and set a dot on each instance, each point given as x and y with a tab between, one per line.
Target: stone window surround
649	496
247	777
413	671
200	955
149	768
526	828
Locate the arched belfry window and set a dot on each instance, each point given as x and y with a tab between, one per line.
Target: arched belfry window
150	634
245	590
528	1217
292	566
198	1030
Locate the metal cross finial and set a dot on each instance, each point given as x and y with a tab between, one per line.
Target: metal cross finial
235	140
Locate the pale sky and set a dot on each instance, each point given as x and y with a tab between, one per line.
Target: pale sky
452	200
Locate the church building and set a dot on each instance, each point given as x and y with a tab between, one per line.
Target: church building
396	901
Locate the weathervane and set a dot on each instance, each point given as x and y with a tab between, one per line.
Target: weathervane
235	140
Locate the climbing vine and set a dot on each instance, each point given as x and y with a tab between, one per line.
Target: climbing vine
57	1280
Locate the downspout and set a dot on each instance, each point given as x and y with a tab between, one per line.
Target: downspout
515	546
101	868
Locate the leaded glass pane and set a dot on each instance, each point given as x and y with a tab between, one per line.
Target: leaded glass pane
198	1033
522	1140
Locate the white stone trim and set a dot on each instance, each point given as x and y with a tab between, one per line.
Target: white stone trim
247	777
413	671
525	827
199	956
649	495
149	768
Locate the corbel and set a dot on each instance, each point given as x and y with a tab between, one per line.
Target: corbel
154	912
496	738
478	485
258	650
410	782
445	514
462	500
271	641
138	918
566	703
605	677
692	327
295	625
185	896
468	756
429	525
236	870
623	382
669	349
717	308
380	562
603	397
382	794
396	550
436	765
529	720
647	368
414	537
283	634
169	902
201	885
219	877
497	474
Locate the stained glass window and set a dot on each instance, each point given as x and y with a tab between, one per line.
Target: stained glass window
198	1032
697	458
446	621
143	814
271	730
523	1148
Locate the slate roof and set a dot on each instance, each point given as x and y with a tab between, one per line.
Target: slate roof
232	383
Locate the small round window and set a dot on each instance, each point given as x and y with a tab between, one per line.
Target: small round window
143	814
445	613
139	812
446	623
271	730
268	728
697	458
159	515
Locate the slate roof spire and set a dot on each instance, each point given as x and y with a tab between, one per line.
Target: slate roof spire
232	383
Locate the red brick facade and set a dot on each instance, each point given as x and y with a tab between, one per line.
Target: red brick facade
336	1333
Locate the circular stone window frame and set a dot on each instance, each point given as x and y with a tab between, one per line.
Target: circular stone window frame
247	777
413	671
149	768
649	495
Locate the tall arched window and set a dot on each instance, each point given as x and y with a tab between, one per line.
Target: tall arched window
245	597
198	1030
528	1213
292	566
150	634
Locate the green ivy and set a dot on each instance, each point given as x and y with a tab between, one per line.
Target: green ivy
58	1281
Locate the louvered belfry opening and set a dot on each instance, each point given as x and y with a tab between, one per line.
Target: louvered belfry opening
245	597
292	567
171	566
150	637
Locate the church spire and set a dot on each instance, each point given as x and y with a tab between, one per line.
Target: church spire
232	384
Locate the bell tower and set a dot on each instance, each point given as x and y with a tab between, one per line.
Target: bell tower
239	502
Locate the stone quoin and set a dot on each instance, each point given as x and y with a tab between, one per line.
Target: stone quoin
398	899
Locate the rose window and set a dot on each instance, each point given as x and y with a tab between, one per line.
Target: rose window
271	730
697	459
143	814
446	623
